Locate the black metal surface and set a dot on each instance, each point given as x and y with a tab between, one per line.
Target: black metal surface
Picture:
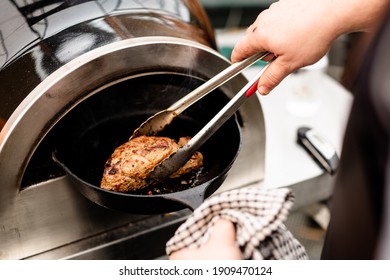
142	239
147	242
96	127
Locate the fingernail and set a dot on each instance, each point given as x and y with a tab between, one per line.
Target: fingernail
263	90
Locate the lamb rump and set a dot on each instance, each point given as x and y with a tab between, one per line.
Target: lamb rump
130	164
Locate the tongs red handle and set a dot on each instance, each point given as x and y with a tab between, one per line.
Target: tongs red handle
252	89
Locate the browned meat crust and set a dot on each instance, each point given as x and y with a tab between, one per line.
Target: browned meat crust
128	167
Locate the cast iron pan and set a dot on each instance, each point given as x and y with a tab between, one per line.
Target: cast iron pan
91	132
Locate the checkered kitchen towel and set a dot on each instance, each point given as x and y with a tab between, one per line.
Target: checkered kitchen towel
259	215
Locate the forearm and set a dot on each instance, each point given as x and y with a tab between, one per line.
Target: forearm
300	32
358	15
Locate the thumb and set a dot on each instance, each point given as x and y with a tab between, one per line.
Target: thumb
223	232
273	75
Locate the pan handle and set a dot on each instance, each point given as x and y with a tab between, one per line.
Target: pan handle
194	197
191	198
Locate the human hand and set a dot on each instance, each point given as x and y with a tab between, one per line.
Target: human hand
221	245
300	32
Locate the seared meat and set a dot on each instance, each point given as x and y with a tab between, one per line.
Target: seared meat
128	167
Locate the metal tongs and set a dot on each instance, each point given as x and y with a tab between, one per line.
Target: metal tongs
163	118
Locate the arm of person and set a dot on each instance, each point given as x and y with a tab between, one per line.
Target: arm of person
300	32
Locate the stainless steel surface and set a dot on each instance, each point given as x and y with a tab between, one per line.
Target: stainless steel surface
159	121
49	71
287	164
184	153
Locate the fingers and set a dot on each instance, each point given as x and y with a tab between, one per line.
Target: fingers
273	76
252	43
272	31
223	233
244	48
253	40
220	245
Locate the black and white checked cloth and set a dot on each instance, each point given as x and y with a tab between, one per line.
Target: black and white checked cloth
259	215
